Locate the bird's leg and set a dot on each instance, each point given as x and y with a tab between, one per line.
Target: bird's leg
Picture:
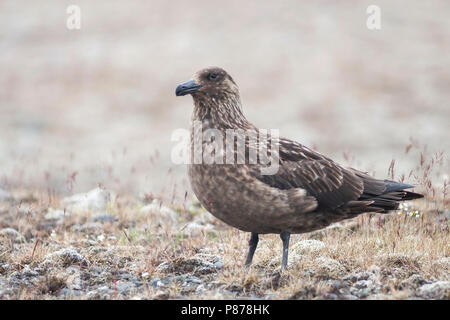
285	236
253	243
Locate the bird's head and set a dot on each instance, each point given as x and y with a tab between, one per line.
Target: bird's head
210	83
216	98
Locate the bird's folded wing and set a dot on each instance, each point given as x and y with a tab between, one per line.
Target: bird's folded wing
300	167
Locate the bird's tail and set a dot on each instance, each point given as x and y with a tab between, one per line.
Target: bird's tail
392	196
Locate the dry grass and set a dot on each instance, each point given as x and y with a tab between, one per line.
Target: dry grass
382	256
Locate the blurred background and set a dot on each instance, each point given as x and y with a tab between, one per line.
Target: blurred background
94	106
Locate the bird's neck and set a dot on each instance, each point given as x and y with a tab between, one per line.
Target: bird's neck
220	113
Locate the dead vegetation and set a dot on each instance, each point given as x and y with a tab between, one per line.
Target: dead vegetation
144	248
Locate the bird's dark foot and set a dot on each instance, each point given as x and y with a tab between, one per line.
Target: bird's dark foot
253	243
285	236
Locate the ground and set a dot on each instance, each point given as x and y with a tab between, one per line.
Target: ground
106	246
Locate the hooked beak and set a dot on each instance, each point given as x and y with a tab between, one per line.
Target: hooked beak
187	87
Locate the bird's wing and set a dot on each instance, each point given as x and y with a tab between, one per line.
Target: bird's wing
322	178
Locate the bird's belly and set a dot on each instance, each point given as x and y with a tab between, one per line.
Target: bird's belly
221	193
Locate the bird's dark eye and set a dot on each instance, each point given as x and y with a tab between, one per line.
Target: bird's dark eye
212	76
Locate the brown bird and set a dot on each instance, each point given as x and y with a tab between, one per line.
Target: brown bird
309	191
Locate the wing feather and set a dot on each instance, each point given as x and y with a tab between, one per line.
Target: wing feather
301	167
333	186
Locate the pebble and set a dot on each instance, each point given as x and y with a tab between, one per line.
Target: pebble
436	290
96	200
56	214
103	218
354	277
67	293
194	229
125	287
88	227
157	208
12	234
157	283
102	293
73	281
415	281
330	267
201	263
308	246
161	295
4	195
67	256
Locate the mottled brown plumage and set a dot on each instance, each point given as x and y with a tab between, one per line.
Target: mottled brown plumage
308	192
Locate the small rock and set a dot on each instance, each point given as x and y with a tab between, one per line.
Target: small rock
125	287
157	283
354	277
96	200
415	281
211	258
329	296
29	273
400	260
27	209
442	263
446	214
102	293
362	284
374	269
436	290
164	267
67	293
364	288
200	289
12	234
4	195
66	257
156	207
335	285
188	282
89	227
379	296
103	218
73	282
57	214
194	229
7	293
307	246
4	267
199	264
329	267
160	295
23	196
